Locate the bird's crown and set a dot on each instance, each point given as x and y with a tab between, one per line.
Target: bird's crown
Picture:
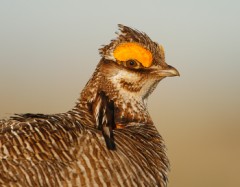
132	44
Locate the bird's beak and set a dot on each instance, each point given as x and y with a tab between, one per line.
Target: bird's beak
169	71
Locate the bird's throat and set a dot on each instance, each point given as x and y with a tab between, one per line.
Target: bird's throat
131	112
127	108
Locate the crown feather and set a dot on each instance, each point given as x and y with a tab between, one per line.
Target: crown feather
126	35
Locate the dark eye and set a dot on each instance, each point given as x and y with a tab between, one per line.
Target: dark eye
131	63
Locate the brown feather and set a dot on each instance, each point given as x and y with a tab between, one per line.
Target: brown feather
107	139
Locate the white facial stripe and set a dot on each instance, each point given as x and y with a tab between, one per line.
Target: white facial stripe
131	77
126	75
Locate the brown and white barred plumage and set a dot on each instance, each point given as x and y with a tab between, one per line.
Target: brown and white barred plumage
69	149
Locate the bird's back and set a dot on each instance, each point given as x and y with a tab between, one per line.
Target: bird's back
57	150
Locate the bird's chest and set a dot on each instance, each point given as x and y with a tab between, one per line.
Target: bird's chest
131	164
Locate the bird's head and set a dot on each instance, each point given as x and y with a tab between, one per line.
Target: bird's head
134	64
130	69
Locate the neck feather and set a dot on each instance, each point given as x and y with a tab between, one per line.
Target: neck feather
127	108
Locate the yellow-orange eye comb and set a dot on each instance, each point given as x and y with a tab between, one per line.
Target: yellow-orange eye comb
129	50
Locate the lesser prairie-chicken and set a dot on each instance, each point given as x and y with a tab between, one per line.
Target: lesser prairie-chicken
107	139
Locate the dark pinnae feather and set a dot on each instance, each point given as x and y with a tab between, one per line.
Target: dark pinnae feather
109	124
103	110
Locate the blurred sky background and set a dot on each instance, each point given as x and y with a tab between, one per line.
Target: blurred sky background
49	49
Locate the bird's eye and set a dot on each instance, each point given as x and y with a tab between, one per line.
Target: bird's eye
131	64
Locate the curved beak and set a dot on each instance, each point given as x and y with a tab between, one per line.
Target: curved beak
169	71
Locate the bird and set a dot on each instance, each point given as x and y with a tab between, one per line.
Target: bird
108	138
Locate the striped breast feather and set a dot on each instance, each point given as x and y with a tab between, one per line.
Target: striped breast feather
145	149
56	150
